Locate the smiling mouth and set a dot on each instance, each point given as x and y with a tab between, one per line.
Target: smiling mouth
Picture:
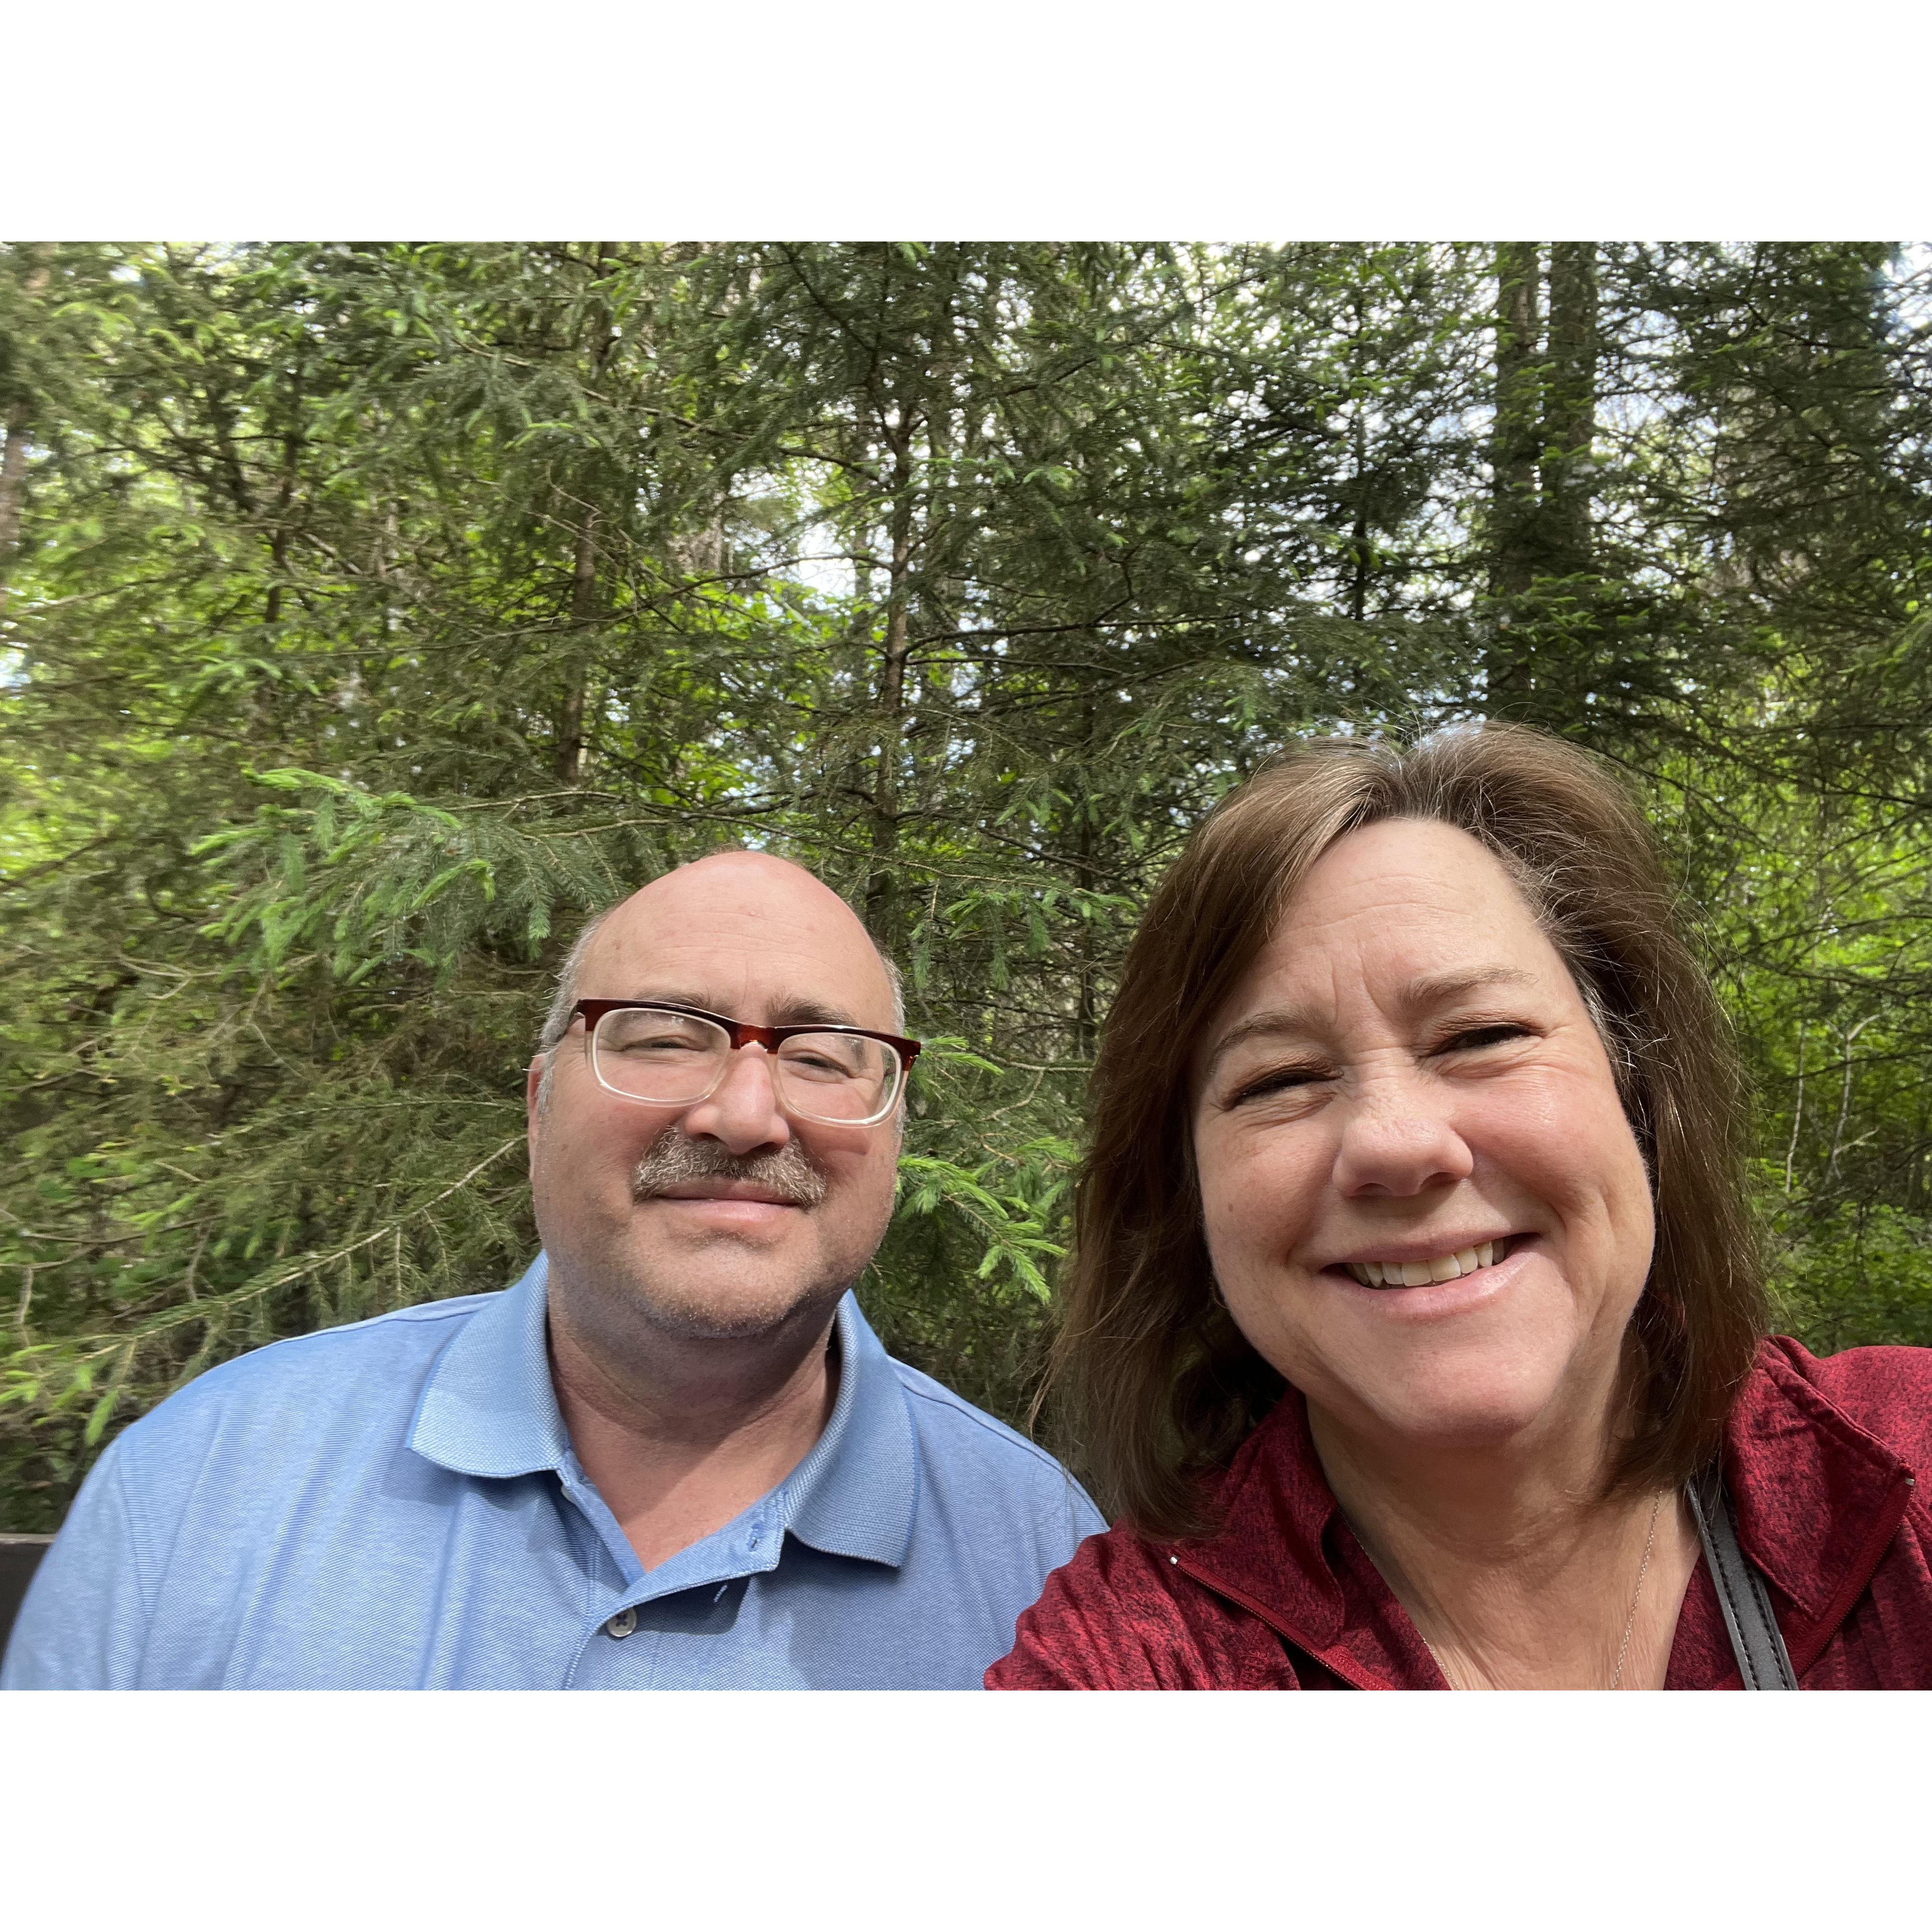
1419	1274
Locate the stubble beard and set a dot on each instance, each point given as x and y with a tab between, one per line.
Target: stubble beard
694	1309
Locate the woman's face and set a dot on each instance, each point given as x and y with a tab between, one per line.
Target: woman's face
1423	1203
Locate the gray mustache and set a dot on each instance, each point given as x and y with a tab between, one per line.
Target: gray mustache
674	1158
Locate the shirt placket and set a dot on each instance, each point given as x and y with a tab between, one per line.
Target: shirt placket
620	1649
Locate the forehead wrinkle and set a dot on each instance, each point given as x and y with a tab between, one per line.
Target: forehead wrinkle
1371	884
1428	991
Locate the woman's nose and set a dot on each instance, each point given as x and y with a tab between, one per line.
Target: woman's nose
1400	1139
743	1112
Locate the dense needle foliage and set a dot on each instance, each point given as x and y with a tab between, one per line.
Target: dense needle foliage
373	611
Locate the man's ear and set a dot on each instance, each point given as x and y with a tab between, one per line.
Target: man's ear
533	1080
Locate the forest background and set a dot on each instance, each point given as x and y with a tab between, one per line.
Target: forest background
372	612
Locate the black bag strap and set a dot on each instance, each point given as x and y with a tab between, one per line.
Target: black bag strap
1756	1640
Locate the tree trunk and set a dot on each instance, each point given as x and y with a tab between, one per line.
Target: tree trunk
583	609
1516	442
882	888
13	490
1087	997
285	497
1358	532
570	741
14	457
1570	421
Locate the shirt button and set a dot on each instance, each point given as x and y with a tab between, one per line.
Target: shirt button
623	1624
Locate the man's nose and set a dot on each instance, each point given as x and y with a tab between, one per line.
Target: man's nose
1400	1138
743	1112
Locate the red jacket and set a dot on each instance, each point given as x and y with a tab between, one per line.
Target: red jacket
1821	1457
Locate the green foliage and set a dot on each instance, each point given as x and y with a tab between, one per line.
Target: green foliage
378	611
1858	1275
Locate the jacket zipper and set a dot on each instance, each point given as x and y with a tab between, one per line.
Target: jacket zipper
1351	1675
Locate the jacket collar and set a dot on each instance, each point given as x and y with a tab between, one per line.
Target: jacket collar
488	1408
1285	1552
1818	1500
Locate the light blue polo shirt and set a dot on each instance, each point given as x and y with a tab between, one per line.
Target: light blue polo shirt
397	1504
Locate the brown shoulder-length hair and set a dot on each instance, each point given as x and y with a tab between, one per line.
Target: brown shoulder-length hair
1157	1384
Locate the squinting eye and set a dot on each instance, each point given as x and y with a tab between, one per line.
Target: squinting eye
1482	1036
1284	1079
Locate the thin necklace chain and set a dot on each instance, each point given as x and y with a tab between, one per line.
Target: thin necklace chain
1636	1595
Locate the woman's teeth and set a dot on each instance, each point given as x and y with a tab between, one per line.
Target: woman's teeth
1419	1274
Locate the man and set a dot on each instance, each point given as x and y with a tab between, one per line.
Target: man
673	1455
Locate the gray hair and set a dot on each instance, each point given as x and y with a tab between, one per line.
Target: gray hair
556	1021
562	1006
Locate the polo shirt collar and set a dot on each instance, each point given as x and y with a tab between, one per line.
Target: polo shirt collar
854	1493
489	1409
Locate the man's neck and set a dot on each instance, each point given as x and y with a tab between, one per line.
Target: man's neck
679	1444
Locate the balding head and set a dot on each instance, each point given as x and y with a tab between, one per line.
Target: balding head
744	877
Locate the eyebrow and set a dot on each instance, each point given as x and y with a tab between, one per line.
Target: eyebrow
799	1012
788	1012
1421	995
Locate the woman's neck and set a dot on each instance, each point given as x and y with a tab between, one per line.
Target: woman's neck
1514	1569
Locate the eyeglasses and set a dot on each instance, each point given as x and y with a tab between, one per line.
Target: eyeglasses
671	1056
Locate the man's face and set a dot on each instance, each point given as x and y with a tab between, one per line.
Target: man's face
731	1217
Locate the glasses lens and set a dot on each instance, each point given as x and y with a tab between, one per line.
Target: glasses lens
669	1058
837	1076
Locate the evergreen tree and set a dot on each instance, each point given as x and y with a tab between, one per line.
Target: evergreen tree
374	612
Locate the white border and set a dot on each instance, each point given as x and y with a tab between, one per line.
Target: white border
986	1813
1010	119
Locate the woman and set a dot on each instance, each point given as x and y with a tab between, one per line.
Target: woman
1415	1322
